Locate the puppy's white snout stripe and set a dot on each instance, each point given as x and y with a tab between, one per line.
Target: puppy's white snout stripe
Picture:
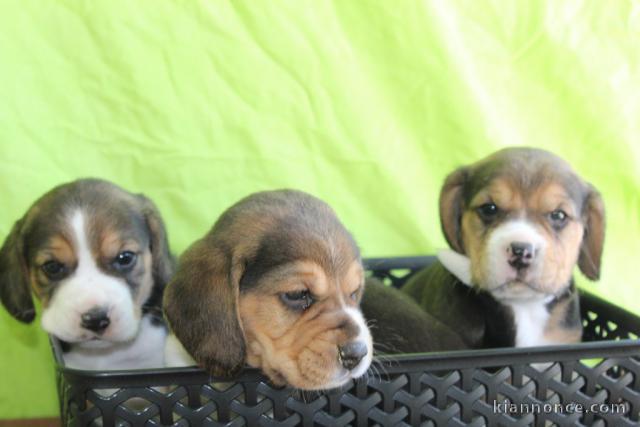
364	337
518	238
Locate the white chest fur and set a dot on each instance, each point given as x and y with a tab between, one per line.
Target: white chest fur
530	318
144	351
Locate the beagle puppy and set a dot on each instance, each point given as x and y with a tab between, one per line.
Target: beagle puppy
517	222
276	284
97	258
399	325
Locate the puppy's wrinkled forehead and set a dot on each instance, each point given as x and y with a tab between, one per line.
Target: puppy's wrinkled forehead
521	173
320	240
111	216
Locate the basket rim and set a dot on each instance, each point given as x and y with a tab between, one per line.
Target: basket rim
400	362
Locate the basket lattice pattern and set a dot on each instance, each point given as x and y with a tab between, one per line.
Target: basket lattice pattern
422	390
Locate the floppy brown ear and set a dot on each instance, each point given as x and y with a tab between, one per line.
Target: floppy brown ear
451	206
163	262
15	291
593	240
201	305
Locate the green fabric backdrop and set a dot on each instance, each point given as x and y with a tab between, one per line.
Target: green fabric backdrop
365	104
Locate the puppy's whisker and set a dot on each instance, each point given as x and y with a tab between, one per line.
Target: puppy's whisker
370	373
388	360
387	348
300	395
381	346
399	337
379	367
375	370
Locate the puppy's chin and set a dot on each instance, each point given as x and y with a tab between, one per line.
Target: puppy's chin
311	371
340	378
95	343
309	381
517	290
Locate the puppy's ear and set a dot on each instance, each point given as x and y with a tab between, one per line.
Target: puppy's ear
15	291
201	305
451	208
162	262
593	240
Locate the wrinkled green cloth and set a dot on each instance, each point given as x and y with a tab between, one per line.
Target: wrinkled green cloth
366	104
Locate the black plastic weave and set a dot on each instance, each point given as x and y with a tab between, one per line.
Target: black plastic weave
466	388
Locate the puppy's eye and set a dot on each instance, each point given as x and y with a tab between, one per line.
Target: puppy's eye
54	270
558	218
124	260
488	211
297	300
355	294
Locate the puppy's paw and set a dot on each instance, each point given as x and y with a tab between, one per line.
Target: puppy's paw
457	264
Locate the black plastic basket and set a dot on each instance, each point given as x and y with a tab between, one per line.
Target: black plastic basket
453	389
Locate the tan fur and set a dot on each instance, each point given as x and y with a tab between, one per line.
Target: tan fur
591	251
109	242
561	254
223	326
58	248
146	285
556	331
277	337
501	192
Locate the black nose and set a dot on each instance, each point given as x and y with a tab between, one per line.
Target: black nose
521	254
351	354
95	320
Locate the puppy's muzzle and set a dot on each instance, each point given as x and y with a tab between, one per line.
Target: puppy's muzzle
521	255
351	354
95	320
